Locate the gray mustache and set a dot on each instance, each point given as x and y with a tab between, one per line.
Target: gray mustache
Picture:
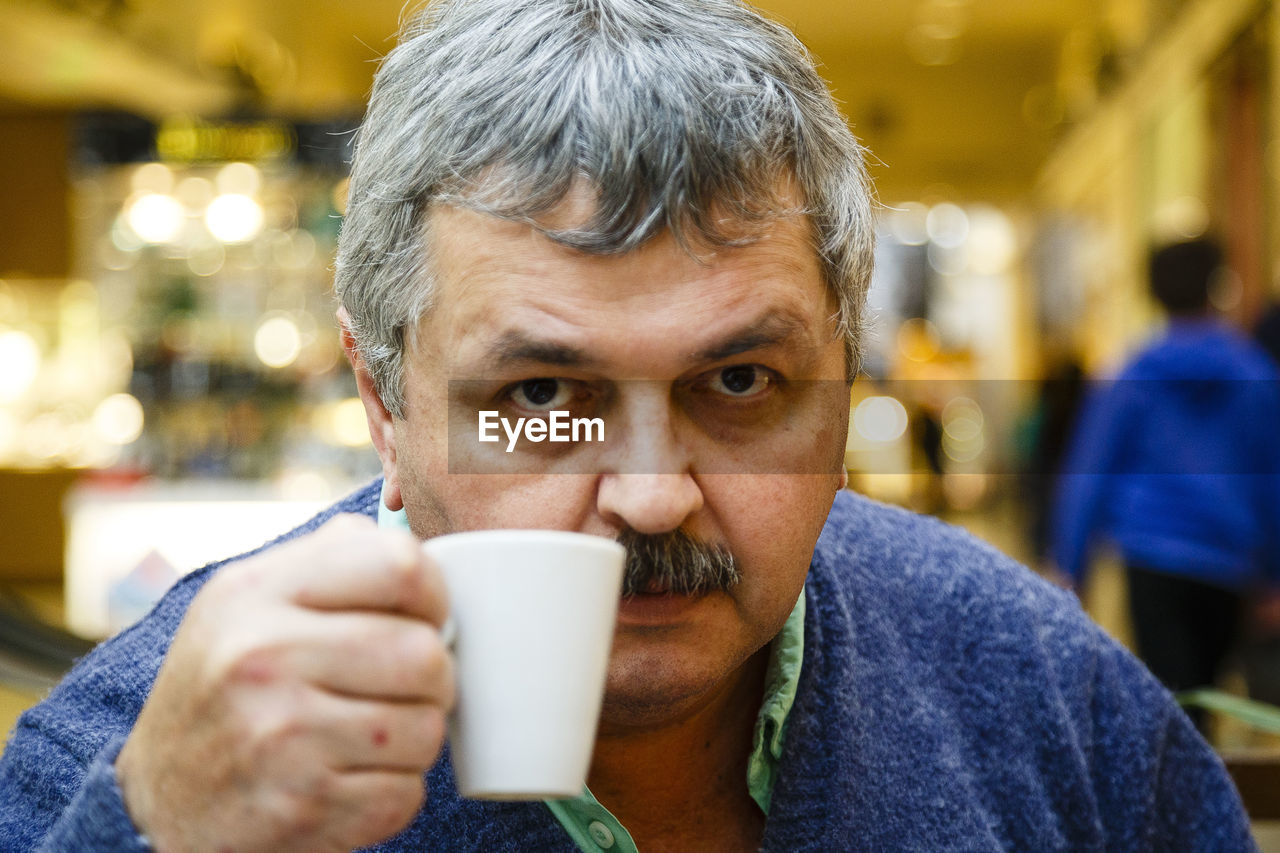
675	562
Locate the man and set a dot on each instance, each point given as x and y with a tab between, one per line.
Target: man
1176	462
649	211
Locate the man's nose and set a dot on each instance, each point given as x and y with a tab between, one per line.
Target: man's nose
649	484
648	503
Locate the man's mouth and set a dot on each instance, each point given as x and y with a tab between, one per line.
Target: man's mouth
654	587
657	607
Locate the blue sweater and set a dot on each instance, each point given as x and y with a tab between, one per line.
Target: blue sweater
1177	462
949	700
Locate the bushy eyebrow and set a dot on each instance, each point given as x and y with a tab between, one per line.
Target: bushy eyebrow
515	347
769	330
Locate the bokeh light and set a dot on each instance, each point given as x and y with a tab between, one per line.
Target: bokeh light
992	241
238	179
907	223
118	419
206	260
349	427
947	225
152	178
234	218
962	430
880	419
918	340
20	356
155	218
195	192
277	341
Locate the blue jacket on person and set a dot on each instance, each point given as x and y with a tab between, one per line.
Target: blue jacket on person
949	700
1177	462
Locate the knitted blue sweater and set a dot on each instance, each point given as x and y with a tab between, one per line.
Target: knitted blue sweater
949	700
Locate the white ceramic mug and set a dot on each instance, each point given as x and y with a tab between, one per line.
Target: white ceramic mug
534	614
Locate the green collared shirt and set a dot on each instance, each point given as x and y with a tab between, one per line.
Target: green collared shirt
590	824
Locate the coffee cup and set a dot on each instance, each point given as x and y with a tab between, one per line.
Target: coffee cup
532	620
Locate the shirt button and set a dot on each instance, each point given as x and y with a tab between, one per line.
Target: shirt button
600	834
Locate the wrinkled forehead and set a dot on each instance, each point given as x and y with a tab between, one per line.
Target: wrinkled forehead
496	281
508	191
467	247
779	225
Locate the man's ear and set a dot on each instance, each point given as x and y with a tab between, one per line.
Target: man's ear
381	427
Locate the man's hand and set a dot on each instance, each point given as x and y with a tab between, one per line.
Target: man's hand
303	697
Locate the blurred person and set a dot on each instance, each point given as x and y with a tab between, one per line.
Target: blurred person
1044	436
552	198
1267	330
926	435
1260	658
1177	463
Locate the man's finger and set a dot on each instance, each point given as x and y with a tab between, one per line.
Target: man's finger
349	564
369	806
360	734
373	656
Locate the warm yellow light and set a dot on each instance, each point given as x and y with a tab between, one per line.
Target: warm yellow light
125	240
238	179
234	218
962	430
116	354
118	419
993	244
1182	218
948	225
294	250
195	193
907	223
930	44
880	419
206	260
152	178
155	218
918	340
962	419
277	342
48	437
348	424
963	451
19	364
303	485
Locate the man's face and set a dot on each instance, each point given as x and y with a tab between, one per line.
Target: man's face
716	381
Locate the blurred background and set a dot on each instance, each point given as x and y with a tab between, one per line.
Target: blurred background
171	384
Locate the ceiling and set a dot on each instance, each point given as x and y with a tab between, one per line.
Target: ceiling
955	98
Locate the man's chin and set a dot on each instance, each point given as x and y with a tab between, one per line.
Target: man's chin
655	681
639	708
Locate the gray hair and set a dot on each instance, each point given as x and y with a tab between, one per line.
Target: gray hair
675	113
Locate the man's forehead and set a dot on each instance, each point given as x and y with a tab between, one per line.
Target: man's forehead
507	293
780	209
466	244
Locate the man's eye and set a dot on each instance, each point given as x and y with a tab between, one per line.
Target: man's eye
741	380
541	394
